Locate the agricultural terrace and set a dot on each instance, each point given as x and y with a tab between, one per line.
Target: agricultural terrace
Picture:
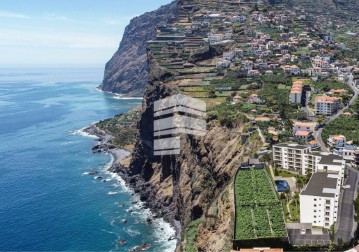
259	213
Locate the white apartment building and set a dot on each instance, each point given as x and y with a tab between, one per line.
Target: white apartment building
296	92
319	200
326	105
300	158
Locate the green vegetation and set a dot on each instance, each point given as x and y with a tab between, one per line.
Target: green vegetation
294	208
229	80
259	213
344	125
285	174
122	127
326	86
227	115
190	235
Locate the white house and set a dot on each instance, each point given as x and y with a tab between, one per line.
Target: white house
319	200
222	63
336	141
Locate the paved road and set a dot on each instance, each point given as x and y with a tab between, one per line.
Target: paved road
318	134
345	221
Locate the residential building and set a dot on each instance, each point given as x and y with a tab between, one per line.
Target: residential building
314	144
237	99
304	126
356	157
291	70
301	159
347	152
296	92
326	105
253	98
336	141
222	63
319	200
302	135
290	156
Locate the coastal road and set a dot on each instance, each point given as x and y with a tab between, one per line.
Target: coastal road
345	220
318	134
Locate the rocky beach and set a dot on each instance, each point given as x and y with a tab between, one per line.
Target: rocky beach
119	166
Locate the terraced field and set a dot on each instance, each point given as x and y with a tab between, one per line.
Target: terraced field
259	213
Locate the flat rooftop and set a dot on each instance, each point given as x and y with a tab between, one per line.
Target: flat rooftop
321	185
292	145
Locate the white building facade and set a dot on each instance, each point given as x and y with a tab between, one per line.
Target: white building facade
319	200
300	158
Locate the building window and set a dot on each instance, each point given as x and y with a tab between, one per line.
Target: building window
315	205
327	202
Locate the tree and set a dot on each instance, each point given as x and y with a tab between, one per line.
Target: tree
287	195
299	182
276	172
356	108
320	119
296	199
266	157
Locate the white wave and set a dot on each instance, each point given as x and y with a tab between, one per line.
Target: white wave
112	193
82	132
109	232
131	232
85	173
118	97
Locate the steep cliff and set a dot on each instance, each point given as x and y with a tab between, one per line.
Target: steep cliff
194	188
126	72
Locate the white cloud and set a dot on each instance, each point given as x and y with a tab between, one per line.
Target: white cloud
7	14
54	17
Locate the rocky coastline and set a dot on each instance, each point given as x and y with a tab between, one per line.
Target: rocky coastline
135	182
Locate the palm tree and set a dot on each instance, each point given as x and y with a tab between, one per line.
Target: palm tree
287	195
299	183
296	200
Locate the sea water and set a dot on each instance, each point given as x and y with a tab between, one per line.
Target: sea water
48	202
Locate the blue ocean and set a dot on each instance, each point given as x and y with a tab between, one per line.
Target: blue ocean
47	202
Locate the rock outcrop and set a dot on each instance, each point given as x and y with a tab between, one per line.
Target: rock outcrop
126	72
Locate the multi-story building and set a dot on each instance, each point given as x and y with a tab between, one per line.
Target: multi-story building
336	141
290	156
296	92
300	158
326	105
319	200
356	157
347	152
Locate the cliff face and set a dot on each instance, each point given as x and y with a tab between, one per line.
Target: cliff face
195	185
126	72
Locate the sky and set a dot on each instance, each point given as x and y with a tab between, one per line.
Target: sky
65	32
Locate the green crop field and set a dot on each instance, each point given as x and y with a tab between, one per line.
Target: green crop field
259	213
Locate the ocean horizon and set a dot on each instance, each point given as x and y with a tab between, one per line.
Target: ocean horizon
49	201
